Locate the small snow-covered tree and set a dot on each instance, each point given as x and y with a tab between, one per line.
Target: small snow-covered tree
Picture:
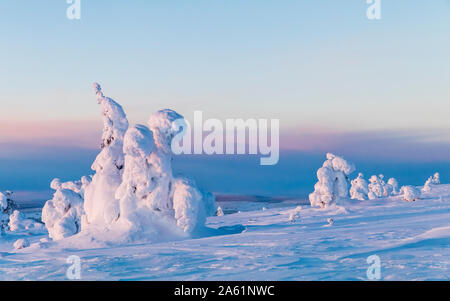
376	188
137	184
359	189
436	179
100	204
7	207
219	211
18	221
431	181
394	184
410	193
62	214
333	182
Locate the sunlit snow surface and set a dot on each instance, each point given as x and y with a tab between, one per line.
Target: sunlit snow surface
412	240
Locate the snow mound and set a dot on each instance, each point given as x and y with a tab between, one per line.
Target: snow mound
333	182
190	211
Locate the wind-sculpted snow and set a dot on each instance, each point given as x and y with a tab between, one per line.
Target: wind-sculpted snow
333	182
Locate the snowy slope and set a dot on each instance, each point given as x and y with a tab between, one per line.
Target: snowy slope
412	240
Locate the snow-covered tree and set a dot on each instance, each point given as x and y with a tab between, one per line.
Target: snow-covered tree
394	184
163	126
100	205
333	182
7	207
18	221
176	197
436	179
376	188
189	208
219	211
410	193
62	214
432	181
295	214
359	189
137	182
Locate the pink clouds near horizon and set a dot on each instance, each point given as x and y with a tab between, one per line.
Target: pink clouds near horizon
428	145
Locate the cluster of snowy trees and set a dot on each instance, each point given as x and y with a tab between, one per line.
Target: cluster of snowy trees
133	189
13	220
333	183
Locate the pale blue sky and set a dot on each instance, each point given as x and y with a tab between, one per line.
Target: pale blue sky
309	63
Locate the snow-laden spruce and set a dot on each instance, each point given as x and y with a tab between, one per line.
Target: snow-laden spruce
378	188
63	213
100	205
152	201
333	182
431	182
410	193
360	188
7	207
18	222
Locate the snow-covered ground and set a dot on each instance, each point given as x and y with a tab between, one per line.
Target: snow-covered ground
277	243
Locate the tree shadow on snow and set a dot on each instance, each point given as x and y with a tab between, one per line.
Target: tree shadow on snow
226	230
